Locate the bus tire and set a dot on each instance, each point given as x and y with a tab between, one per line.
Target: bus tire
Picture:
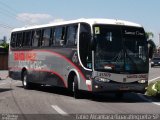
25	83
75	89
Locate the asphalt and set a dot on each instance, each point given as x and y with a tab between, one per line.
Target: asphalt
52	103
3	74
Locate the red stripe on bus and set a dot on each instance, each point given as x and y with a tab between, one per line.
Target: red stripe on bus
68	60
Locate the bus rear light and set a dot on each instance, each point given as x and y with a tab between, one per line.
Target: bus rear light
142	81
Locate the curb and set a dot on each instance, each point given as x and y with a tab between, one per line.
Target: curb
4	77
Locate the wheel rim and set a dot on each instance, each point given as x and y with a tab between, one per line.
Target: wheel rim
73	87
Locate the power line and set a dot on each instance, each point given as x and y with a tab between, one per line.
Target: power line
8	11
6	27
5	13
13	10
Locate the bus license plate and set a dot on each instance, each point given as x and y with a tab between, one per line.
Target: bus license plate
124	88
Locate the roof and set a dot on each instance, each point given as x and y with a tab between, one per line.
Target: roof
89	21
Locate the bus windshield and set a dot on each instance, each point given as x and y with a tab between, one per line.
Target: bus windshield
120	49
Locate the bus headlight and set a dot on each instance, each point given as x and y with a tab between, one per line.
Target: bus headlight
100	79
142	81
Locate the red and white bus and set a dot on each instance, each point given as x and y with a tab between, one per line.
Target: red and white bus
96	55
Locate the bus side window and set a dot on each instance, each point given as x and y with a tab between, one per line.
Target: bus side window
36	38
13	40
52	39
46	37
28	43
60	36
32	37
26	38
72	35
19	40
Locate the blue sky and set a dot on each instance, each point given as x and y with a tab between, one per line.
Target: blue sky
18	13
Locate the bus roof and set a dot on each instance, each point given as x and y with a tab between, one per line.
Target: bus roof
89	21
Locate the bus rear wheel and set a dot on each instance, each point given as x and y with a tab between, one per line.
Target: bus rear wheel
76	92
25	83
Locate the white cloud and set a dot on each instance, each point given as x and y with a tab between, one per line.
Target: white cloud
57	20
30	18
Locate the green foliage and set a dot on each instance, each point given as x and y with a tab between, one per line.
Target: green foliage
149	35
158	87
5	45
150	91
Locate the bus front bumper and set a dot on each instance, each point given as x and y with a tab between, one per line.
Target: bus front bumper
119	87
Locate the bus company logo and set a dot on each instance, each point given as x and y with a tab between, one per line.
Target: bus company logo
137	76
21	56
101	74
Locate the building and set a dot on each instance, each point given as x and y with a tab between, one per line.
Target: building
4	40
157	51
3	59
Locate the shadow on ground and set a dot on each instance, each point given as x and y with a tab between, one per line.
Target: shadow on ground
4	90
100	97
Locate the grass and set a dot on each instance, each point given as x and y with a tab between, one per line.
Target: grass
154	91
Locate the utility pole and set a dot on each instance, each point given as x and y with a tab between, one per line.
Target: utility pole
159	39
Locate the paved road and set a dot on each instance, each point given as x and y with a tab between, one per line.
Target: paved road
154	73
46	101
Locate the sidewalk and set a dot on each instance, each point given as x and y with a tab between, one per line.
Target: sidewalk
3	74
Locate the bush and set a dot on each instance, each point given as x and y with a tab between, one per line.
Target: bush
150	91
154	93
158	88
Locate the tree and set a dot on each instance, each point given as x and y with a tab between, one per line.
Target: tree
4	44
151	47
151	44
149	35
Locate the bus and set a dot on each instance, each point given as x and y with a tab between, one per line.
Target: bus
95	55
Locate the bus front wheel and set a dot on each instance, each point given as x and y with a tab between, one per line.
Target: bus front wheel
75	89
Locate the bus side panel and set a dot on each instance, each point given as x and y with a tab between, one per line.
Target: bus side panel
49	66
16	75
33	76
17	64
59	63
72	64
14	72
